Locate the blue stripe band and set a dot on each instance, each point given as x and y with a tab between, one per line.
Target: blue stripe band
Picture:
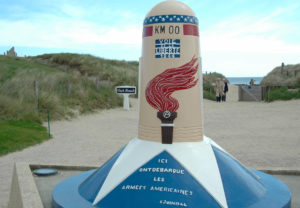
171	18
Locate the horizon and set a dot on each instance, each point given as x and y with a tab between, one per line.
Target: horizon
237	38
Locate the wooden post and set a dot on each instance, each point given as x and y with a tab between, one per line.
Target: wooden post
36	92
36	88
68	88
48	113
97	83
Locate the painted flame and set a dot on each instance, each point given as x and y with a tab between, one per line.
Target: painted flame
159	89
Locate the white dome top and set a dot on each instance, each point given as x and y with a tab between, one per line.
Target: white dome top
170	7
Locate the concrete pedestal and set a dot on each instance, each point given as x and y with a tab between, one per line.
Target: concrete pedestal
190	174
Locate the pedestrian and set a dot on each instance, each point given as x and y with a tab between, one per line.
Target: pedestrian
225	90
219	89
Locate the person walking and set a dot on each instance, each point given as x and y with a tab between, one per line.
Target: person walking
225	90
219	89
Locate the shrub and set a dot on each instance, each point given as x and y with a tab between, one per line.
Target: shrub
282	94
209	95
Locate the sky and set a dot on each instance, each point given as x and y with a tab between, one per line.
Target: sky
238	38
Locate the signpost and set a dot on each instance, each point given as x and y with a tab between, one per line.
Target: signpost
126	91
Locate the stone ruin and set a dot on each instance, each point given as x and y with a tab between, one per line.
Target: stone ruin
11	52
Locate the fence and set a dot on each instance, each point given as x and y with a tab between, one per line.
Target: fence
256	92
250	93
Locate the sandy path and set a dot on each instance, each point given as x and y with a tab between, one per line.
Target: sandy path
260	135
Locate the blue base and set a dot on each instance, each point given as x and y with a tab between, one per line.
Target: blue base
66	193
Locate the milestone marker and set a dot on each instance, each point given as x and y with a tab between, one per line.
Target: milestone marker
171	163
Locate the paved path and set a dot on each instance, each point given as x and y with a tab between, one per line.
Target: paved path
260	135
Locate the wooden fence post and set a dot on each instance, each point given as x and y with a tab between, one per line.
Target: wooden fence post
48	118
97	83
36	92
68	88
36	88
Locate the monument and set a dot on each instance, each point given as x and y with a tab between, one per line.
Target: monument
171	163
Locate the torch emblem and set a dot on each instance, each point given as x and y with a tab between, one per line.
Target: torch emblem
159	91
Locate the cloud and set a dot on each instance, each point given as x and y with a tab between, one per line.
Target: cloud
60	32
244	43
250	44
72	11
246	35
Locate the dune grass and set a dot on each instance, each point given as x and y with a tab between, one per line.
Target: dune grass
116	72
63	88
65	84
288	75
19	134
282	93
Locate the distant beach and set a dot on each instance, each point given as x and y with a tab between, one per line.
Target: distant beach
244	80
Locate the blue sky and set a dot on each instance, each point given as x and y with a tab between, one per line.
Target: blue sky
238	37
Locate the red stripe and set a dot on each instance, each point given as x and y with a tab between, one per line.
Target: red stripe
190	30
148	31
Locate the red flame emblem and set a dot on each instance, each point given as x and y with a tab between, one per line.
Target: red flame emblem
160	88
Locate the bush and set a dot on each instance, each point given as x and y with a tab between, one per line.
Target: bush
282	93
209	95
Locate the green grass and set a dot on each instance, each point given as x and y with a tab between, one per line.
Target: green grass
209	95
282	94
22	110
10	66
17	135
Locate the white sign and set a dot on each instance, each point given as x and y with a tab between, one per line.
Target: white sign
126	91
